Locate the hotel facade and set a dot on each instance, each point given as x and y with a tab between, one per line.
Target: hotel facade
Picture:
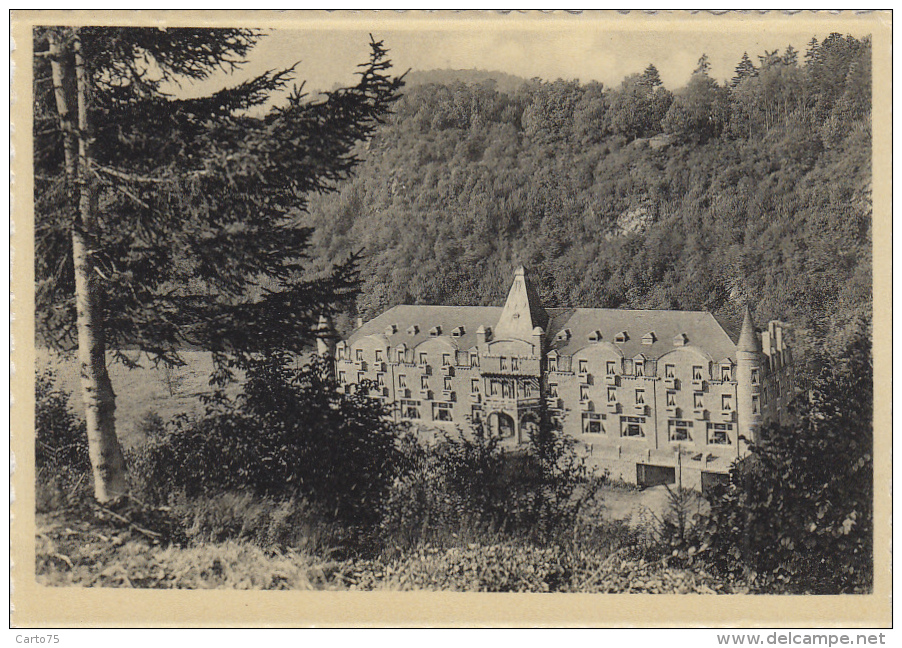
654	396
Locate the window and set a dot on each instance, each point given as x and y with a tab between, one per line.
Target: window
493	388
424	358
515	364
583	393
640	397
507	390
612	394
725	373
631	426
380	379
621	337
583	366
671	399
503	361
447	383
342	377
756	378
474	359
649	338
698	400
527	389
410	409
378	355
756	404
435	331
640	368
474	385
679	430
402	381
719	433
552	363
476	413
358	355
592	423
424	382
697	373
726	402
446	359
669	371
442	412
552	390
400	356
361	376
611	369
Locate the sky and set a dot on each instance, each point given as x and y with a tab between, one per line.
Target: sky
567	48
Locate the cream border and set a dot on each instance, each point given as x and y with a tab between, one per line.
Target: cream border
36	606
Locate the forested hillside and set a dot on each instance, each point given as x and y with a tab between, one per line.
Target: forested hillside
633	196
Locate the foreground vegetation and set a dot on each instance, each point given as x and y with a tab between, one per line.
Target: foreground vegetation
293	484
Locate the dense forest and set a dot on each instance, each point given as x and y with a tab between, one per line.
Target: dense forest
706	197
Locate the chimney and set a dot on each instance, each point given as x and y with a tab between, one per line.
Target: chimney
359	322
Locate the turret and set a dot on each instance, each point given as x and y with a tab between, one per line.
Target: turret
325	337
538	340
749	376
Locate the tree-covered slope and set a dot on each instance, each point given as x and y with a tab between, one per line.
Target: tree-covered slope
757	190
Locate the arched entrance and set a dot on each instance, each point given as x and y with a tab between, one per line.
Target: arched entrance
529	423
502	424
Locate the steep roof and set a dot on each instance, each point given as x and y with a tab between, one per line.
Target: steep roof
699	327
748	338
522	311
425	318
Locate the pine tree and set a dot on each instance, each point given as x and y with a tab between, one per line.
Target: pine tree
163	223
703	66
650	77
744	70
790	56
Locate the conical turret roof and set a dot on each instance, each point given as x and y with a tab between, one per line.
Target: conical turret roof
748	338
522	311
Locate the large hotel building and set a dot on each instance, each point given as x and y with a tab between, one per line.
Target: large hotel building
654	395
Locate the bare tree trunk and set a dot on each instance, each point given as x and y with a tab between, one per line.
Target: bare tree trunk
108	464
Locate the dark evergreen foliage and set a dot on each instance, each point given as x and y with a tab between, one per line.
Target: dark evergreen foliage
199	241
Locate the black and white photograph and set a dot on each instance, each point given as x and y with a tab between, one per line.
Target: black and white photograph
475	303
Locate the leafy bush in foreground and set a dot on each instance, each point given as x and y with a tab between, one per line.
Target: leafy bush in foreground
797	516
62	465
290	433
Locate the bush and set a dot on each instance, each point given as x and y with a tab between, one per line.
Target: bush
290	433
62	465
797	515
467	487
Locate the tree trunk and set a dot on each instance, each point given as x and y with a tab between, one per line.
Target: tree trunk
108	464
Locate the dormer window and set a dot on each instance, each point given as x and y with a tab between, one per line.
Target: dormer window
391	329
649	338
621	337
413	329
680	340
595	336
552	362
435	331
726	373
564	335
458	332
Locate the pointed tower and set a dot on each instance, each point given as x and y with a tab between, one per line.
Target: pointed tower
325	337
522	312
749	377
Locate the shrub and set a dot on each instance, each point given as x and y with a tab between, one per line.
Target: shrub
290	433
797	515
468	487
62	464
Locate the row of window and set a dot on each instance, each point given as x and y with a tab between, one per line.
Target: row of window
726	400
677	430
